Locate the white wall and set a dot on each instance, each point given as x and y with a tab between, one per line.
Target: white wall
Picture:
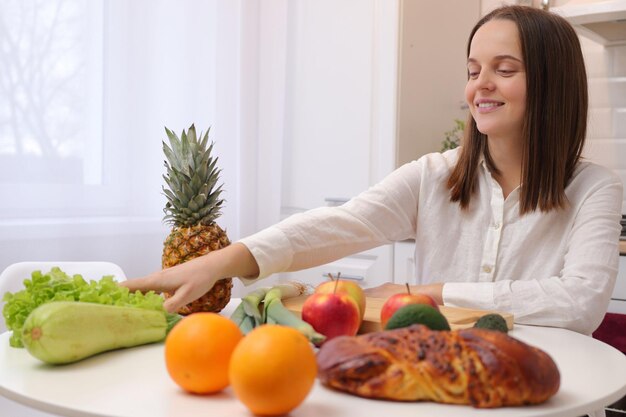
432	74
606	144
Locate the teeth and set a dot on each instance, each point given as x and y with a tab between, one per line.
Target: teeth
486	105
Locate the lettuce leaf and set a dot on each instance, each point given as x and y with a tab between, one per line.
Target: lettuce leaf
56	285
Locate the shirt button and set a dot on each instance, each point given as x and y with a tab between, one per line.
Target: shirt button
496	225
487	268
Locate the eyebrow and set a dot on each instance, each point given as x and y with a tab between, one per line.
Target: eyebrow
497	58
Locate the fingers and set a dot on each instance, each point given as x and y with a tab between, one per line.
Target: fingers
155	283
384	290
184	295
172	305
180	298
147	283
134	284
185	282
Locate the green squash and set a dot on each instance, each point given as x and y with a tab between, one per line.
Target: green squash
67	331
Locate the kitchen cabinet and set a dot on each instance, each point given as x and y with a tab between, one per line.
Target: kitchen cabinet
404	262
340	94
368	268
340	114
360	102
618	299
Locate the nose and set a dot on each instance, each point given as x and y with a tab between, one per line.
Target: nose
484	81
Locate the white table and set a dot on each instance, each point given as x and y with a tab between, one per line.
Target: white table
134	383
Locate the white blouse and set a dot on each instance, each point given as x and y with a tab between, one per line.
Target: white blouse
550	269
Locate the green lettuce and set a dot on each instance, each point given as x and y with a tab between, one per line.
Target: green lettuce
56	285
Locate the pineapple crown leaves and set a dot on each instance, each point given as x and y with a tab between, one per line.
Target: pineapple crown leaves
193	196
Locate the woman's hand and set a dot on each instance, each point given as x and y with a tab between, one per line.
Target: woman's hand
387	290
191	280
187	282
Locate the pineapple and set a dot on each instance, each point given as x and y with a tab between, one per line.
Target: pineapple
193	205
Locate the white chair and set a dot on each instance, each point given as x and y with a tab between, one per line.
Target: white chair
12	279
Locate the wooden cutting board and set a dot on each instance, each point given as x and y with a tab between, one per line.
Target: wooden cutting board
459	318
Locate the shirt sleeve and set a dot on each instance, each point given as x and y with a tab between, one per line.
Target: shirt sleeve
578	297
384	213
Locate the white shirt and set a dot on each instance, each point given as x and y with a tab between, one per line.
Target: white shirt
551	269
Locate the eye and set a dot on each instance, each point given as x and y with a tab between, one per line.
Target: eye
473	71
505	72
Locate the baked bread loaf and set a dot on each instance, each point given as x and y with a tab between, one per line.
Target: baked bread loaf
479	367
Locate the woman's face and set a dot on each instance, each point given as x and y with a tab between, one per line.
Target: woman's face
496	88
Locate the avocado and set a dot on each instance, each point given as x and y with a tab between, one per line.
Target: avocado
418	314
492	321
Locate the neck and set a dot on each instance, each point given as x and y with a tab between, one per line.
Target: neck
507	157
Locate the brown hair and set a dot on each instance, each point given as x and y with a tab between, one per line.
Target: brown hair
555	123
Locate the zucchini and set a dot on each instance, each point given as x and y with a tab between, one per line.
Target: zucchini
67	331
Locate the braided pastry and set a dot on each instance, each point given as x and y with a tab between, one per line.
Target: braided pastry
483	368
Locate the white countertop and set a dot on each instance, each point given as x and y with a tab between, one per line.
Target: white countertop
134	383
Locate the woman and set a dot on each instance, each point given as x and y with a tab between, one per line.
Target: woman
513	220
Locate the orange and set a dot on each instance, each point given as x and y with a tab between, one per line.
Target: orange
198	350
273	369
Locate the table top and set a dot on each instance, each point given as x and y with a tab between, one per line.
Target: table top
134	383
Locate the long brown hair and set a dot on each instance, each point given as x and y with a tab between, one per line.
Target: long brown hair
555	123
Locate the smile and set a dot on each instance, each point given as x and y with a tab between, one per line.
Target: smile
489	104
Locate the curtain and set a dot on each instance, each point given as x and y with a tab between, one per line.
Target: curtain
91	86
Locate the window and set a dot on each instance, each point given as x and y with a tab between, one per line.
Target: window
52	159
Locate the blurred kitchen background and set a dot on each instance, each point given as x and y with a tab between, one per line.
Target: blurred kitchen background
309	102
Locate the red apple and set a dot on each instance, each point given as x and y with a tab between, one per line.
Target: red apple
332	314
349	288
396	301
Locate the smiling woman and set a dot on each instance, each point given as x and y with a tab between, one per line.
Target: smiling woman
514	220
